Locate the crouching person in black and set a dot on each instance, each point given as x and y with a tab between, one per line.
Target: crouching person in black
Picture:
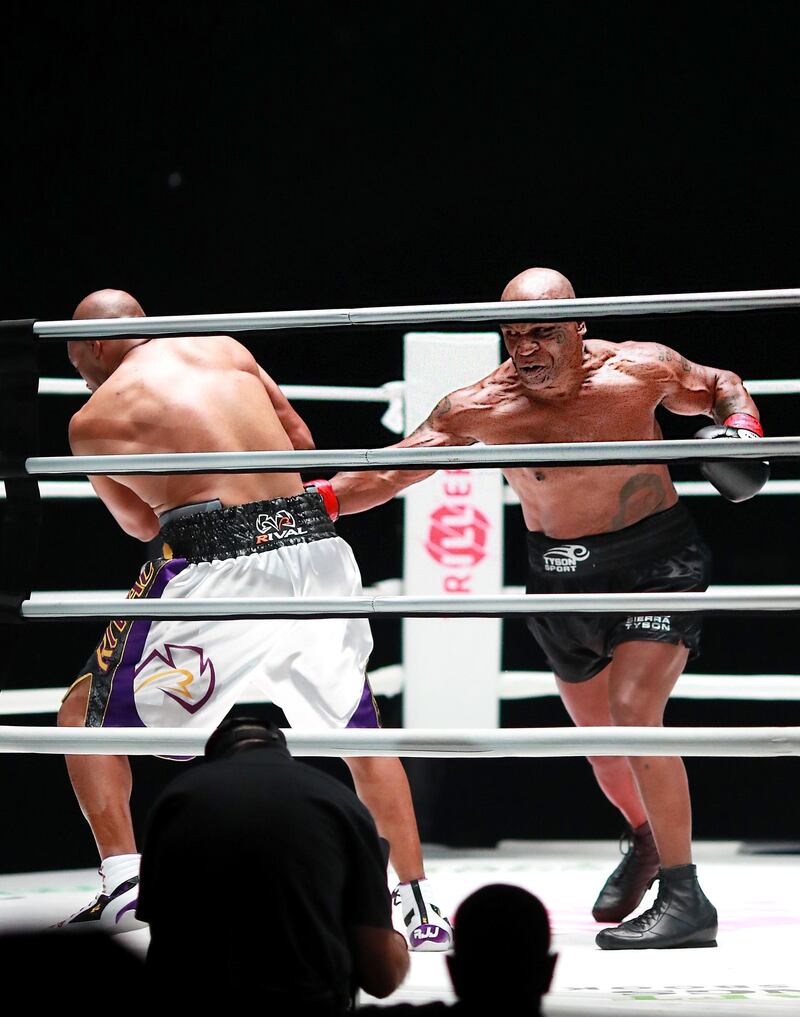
265	874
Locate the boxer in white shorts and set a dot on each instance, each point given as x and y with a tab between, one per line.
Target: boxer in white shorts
185	673
227	534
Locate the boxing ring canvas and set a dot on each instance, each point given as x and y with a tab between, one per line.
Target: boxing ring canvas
752	973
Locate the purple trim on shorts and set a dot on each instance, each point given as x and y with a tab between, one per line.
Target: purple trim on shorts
366	714
121	710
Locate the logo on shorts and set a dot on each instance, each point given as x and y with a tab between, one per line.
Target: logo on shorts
181	673
457	536
276	527
653	622
565	557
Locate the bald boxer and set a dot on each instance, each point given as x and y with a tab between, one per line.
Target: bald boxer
604	529
224	535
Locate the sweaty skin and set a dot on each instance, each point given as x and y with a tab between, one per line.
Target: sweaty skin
192	395
558	386
178	395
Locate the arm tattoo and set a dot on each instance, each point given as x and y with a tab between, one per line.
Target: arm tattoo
666	356
439	410
442	407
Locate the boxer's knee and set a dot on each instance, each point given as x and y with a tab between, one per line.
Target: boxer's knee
73	709
629	708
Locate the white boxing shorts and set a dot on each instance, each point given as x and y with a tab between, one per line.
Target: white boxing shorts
182	673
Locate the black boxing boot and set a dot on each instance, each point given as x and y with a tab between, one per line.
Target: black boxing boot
632	878
682	916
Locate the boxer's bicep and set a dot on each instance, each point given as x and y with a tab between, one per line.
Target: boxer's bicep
694	390
677	384
291	421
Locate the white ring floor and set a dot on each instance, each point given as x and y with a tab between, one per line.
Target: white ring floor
753	971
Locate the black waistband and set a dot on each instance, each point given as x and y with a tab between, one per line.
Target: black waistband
598	552
203	532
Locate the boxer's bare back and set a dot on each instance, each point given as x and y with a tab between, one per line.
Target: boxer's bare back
180	395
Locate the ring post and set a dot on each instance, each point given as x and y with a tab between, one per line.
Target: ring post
453	543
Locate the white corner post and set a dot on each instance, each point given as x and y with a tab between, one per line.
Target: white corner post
453	543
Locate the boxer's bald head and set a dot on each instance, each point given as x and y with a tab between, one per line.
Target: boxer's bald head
96	359
539	284
109	304
542	351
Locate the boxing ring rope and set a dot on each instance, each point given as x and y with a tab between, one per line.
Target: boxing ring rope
596	453
434	742
783	599
684	488
514	685
70	490
492	311
387	393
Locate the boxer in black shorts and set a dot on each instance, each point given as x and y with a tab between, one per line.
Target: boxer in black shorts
663	553
611	670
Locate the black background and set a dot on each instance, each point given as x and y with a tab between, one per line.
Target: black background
246	157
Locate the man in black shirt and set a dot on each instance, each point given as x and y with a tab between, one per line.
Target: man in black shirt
261	872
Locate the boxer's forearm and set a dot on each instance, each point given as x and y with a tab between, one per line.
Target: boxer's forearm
730	397
358	492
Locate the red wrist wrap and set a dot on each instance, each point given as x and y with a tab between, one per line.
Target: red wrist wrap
328	495
746	422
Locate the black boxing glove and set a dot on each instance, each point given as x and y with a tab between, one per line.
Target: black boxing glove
735	479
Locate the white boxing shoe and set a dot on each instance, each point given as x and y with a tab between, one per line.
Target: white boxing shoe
426	928
111	913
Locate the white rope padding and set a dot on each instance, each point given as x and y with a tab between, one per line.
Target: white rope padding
441	743
784	599
693	489
386	393
313	393
510	310
66	490
756	687
514	685
596	453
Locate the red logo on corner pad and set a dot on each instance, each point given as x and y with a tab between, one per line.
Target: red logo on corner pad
457	536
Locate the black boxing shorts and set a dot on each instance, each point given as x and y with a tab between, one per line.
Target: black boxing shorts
661	554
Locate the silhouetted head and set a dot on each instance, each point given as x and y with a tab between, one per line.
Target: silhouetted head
541	350
501	949
95	360
236	734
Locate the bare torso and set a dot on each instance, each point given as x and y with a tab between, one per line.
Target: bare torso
190	395
608	402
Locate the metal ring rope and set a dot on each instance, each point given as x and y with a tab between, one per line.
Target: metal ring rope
611	741
600	741
595	453
780	599
510	310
